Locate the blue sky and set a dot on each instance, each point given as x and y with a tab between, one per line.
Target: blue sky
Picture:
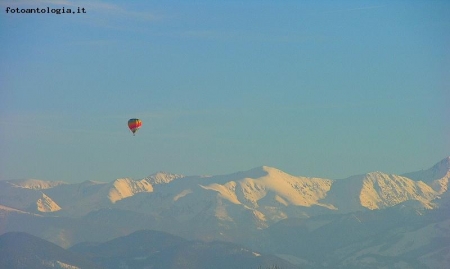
315	88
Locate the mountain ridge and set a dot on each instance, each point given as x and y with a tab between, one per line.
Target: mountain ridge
266	184
154	249
258	197
360	220
21	250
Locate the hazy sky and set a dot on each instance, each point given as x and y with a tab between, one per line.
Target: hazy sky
315	88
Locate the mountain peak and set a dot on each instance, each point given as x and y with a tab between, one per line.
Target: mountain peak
380	190
162	178
125	187
438	171
444	165
35	184
261	171
270	169
375	174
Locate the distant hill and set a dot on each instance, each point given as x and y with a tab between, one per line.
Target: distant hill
21	250
159	250
396	237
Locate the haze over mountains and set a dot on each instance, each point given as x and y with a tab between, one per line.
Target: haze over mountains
375	219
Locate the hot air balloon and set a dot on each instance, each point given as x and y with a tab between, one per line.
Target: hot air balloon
134	125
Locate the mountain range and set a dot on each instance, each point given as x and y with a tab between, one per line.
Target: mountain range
371	220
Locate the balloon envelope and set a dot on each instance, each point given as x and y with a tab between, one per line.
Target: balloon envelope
134	125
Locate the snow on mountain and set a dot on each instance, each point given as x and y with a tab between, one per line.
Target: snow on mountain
46	204
269	192
377	190
26	199
82	198
125	187
226	206
246	206
70	199
162	178
437	171
266	193
437	176
381	190
35	184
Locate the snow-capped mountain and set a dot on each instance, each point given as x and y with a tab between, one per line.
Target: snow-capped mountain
263	208
265	193
30	199
162	178
377	190
239	207
125	187
35	184
437	176
71	199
